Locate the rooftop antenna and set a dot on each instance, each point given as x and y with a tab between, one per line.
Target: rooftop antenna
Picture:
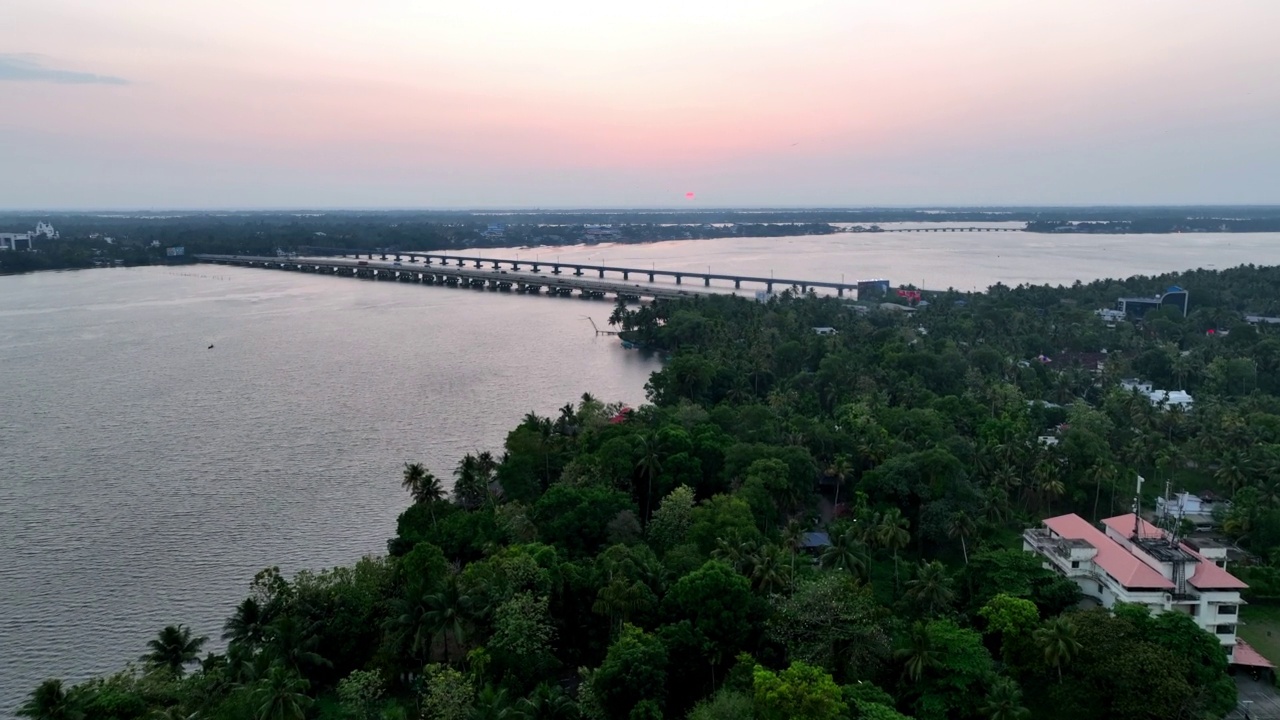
1137	508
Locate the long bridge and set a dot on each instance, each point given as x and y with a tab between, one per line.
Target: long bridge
451	261
460	276
939	229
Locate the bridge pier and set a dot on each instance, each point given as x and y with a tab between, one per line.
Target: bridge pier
626	275
678	278
555	270
536	268
515	266
602	274
706	280
768	287
650	277
737	284
478	264
497	265
839	292
577	272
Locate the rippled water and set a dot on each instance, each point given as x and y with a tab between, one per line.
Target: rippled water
145	478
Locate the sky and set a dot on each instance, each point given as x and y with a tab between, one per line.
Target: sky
135	104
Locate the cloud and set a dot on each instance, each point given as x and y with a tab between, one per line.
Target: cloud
26	67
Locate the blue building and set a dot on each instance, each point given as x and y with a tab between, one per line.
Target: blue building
1175	298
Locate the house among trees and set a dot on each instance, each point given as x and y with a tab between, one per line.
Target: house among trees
1133	561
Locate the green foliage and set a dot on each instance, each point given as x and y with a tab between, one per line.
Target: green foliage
832	622
725	705
577	518
360	693
801	692
446	694
634	671
672	520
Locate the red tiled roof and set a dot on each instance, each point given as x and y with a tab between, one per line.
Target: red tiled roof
1246	655
1119	563
1207	575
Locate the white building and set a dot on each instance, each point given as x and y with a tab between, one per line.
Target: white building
45	229
15	241
1133	561
1168	397
1193	508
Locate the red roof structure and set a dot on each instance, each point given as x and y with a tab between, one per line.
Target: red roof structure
1207	575
1246	655
1112	557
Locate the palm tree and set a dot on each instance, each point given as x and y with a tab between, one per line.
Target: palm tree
470	487
892	534
649	464
839	471
931	587
412	619
1004	702
493	704
422	485
1057	639
1102	472
449	612
918	654
281	696
847	553
173	649
247	626
49	701
547	702
620	599
293	644
173	712
769	569
793	539
961	526
1233	472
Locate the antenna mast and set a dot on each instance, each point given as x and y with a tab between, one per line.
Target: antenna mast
1137	508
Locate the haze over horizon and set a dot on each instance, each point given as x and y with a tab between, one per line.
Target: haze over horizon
570	104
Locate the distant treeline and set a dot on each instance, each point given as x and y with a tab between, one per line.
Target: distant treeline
89	239
1159	225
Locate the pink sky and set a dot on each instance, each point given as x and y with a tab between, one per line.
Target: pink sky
416	103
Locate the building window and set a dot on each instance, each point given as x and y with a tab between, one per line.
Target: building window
1226	609
1075	564
1221	563
1195	610
1226	630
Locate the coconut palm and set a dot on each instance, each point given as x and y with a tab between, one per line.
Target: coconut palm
847	553
649	465
494	704
247	626
768	569
1057	639
421	484
892	534
173	649
471	486
918	655
961	526
292	643
839	471
448	610
1004	702
931	587
49	701
281	695
547	702
1102	473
